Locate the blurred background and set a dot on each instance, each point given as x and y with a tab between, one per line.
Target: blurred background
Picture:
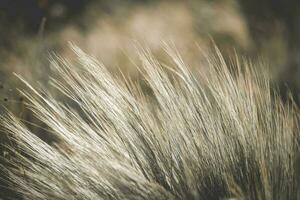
31	29
107	29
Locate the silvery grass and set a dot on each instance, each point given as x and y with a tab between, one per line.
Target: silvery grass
220	134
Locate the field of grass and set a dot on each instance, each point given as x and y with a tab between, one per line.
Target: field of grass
251	104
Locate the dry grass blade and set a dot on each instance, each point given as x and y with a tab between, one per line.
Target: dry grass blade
223	135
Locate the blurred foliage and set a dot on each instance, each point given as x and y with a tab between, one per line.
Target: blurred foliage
277	21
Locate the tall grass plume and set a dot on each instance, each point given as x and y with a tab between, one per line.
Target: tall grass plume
222	133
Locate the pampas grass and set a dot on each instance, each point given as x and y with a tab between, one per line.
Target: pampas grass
220	134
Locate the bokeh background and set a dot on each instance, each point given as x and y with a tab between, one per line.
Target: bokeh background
108	29
30	29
